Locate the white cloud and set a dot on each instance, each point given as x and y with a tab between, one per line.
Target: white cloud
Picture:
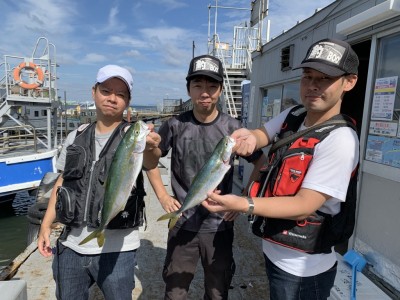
93	58
132	53
170	4
125	40
164	34
113	24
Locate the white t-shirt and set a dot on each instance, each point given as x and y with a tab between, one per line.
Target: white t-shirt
116	240
329	172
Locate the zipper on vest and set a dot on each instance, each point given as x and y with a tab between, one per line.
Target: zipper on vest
89	191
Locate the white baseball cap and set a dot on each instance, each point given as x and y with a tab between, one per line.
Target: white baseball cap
110	71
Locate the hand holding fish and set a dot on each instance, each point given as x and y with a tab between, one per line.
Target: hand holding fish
225	203
153	139
151	153
229	215
246	142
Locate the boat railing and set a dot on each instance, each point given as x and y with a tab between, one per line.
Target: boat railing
18	137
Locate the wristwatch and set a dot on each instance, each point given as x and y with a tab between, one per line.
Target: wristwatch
251	206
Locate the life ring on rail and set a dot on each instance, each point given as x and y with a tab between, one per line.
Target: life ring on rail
23	84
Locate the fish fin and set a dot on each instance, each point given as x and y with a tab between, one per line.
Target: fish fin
167	216
100	239
99	234
172	222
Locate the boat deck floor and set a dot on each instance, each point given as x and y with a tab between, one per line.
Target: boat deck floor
249	281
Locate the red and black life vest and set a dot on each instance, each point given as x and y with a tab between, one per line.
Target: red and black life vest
288	162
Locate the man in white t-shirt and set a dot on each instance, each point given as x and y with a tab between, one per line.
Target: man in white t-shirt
329	71
84	161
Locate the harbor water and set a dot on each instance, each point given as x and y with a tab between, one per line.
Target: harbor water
14	227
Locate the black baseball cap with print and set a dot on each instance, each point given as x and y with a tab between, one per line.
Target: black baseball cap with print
206	65
331	57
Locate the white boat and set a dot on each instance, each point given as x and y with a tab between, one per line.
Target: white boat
28	150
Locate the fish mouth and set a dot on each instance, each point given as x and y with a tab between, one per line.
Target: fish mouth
232	143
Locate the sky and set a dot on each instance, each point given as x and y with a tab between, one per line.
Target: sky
153	39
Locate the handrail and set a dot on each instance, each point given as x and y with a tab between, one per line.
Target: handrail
228	95
12	138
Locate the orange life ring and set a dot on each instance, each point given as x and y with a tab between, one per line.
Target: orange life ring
23	84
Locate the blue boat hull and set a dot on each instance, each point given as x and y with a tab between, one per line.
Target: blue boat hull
25	172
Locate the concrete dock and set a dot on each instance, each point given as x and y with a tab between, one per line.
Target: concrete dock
249	281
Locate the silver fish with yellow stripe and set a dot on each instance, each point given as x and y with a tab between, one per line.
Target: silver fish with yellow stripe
124	170
208	178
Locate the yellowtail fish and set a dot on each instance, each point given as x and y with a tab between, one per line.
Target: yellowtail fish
209	177
124	170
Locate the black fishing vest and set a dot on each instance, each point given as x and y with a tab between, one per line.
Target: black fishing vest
80	198
283	175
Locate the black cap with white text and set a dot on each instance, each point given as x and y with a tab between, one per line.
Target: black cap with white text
331	57
206	65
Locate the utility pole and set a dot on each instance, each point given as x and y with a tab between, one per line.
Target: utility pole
193	46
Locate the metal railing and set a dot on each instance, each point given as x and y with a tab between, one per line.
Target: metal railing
18	137
227	91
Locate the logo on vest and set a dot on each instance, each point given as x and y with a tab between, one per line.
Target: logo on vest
294	174
301	236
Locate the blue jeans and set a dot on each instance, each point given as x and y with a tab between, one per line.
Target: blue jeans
74	273
285	286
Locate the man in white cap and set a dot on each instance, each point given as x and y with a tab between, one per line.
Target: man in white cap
304	192
84	162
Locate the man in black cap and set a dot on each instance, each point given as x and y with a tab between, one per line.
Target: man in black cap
303	190
198	234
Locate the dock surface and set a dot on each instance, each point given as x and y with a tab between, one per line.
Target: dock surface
249	281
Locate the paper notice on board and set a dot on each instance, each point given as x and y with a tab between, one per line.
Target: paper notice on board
383	150
383	128
384	97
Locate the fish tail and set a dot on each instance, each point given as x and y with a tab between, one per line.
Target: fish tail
99	234
172	222
167	216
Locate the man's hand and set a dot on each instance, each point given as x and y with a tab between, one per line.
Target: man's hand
225	203
44	241
153	139
169	203
246	142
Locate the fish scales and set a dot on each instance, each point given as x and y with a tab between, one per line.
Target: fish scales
124	170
